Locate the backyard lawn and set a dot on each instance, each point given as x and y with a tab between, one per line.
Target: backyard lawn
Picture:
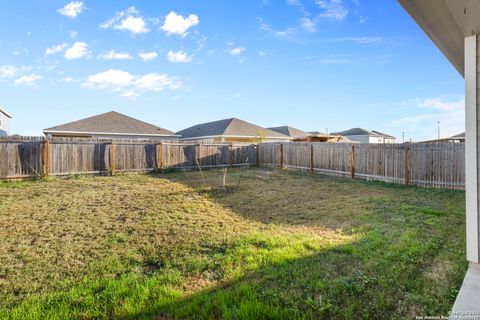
272	245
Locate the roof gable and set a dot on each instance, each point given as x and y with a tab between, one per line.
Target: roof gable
355	132
227	127
384	134
110	122
290	131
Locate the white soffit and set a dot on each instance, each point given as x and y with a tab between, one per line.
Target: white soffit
447	23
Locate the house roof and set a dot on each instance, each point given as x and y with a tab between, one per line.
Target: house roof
355	132
290	131
384	134
110	123
458	136
228	127
363	132
5	113
447	23
317	132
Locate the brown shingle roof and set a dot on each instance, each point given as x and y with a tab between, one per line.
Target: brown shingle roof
228	127
112	123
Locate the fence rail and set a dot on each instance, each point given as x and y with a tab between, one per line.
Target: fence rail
432	165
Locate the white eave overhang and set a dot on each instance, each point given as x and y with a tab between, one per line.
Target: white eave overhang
5	113
447	23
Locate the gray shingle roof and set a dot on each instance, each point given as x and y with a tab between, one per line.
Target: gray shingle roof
290	131
227	127
355	132
362	132
383	134
458	136
111	122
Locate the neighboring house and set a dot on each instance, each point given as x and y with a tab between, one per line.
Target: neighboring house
110	125
456	138
4	123
366	136
293	133
229	130
316	136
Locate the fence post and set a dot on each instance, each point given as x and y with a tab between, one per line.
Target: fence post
352	162
46	158
230	155
160	160
407	164
199	154
280	155
112	159
257	155
311	157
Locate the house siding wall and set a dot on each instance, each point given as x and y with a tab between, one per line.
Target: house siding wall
370	139
472	147
477	95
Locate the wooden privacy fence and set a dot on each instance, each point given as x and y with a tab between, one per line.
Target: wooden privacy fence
21	158
432	165
425	164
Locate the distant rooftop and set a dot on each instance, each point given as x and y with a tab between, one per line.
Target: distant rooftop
110	123
290	131
363	132
228	127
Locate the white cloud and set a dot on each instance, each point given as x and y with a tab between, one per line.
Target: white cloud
438	104
112	55
298	4
67	79
360	40
129	20
262	53
179	56
130	85
427	111
308	24
72	9
56	48
115	79
77	51
130	94
156	82
148	56
294	2
285	33
28	80
332	9
236	51
177	24
9	71
73	34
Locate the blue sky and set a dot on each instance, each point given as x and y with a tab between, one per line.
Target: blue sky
311	64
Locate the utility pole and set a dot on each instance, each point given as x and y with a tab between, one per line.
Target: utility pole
403	136
438	124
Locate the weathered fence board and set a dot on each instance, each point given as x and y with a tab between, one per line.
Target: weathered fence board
431	165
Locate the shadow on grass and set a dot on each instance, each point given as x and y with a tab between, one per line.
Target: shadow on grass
397	254
364	279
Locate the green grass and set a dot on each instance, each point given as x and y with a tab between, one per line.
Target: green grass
273	245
